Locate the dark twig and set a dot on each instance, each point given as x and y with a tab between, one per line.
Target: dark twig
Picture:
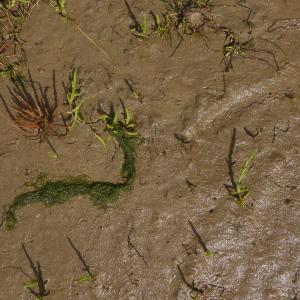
86	267
230	162
189	285
131	245
250	133
136	25
201	242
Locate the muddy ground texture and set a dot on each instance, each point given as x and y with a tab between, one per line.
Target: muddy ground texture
135	245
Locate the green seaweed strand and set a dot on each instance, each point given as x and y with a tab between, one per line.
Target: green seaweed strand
100	193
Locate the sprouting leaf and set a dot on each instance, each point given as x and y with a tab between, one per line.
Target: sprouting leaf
32	284
84	279
52	154
100	139
246	166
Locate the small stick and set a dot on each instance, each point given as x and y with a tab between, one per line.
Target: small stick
86	268
130	245
91	40
201	242
190	285
248	132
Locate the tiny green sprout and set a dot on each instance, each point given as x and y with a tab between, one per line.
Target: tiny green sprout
11	71
100	139
84	279
134	92
32	284
74	101
209	253
241	191
8	4
162	28
142	31
52	154
74	90
61	8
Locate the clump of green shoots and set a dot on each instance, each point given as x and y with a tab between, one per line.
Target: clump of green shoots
115	125
233	47
183	17
162	27
142	30
74	101
11	70
60	7
241	191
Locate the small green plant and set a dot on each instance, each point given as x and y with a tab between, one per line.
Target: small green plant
8	4
141	31
61	8
241	191
84	279
233	47
114	124
162	28
11	70
74	101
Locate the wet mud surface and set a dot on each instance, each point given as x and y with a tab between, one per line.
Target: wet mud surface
135	245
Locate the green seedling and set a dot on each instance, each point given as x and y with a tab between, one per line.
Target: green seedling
75	102
8	4
143	30
134	92
241	191
233	47
60	7
84	279
33	284
162	28
114	123
11	71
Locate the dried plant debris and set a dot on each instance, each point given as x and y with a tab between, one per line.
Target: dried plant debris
12	17
32	110
194	18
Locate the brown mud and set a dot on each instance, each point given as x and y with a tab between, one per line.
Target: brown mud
134	246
